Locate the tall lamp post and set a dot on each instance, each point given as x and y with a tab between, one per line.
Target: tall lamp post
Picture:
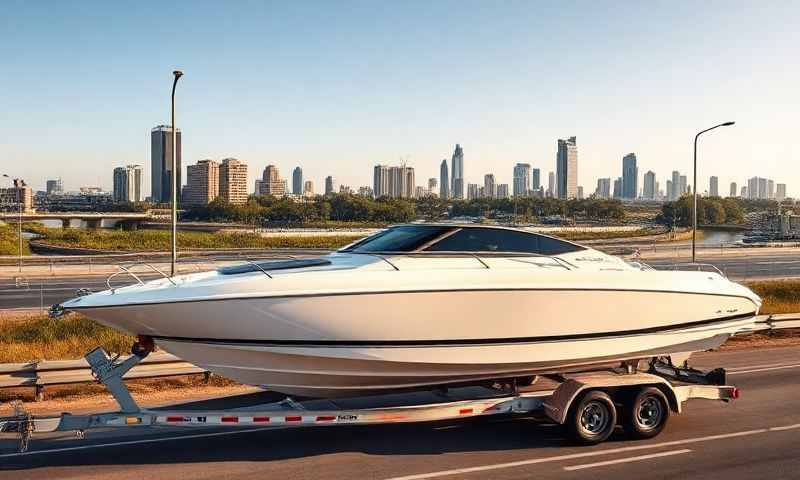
19	220
177	74
694	187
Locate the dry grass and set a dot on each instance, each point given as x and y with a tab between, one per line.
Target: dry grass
41	338
780	296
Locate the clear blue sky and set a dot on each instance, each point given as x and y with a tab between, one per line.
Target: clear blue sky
337	87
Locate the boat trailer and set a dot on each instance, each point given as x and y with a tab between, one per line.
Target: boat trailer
588	404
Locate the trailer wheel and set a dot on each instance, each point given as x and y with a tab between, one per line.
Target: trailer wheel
646	414
592	419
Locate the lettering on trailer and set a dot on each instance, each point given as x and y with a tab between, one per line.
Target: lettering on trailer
347	418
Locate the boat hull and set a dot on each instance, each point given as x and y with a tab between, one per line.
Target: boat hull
348	344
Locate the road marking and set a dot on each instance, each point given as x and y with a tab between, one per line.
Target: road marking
626	460
136	442
765	369
534	461
783	429
748	367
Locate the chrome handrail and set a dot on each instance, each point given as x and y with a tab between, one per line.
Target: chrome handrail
258	267
479	256
714	268
124	269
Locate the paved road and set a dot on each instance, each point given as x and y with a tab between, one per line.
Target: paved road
48	290
755	437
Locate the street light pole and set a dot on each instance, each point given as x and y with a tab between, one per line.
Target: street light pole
177	74
694	188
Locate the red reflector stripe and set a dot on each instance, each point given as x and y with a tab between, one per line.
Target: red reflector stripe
293	419
229	419
174	419
465	411
326	418
261	419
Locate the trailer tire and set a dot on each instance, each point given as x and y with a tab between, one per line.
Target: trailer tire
592	418
646	414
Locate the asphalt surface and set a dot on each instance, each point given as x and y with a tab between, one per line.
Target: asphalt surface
754	437
37	292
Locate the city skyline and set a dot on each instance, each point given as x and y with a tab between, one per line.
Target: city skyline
92	121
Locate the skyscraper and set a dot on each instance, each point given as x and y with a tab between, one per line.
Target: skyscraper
580	192
733	189
536	181
308	188
329	185
233	181
551	184
770	189
161	163
271	182
489	186
444	181
670	190
650	190
202	183
713	187
522	179
380	180
675	191
502	190
473	191
781	192
432	183
682	187
457	173
401	182
618	187
567	168
630	176
127	184
603	188
297	181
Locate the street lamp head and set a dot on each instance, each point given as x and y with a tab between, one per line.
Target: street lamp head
728	124
177	73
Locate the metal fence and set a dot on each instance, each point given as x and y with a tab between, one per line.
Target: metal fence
39	375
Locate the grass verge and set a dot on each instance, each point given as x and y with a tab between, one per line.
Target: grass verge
154	240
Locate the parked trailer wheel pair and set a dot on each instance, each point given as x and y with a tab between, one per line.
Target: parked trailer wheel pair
594	415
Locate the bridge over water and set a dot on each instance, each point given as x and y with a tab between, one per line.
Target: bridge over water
92	219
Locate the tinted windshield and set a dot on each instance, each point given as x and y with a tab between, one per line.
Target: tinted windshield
500	240
399	239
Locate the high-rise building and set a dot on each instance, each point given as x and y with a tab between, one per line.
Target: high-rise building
329	185
650	189
366	191
618	187
522	179
502	190
630	176
675	191
489	186
733	189
233	181
202	183
380	180
161	163
682	187
128	184
401	182
297	181
536	183
457	173
551	184
54	187
420	192
19	196
780	195
432	183
567	168
271	182
580	192
744	192
603	188
308	188
713	187
670	190
770	189
444	181
473	191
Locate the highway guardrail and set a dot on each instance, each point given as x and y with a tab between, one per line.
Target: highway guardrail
39	375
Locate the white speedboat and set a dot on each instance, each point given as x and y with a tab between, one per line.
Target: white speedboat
421	305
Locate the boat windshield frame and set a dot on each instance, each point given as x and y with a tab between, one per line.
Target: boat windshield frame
451	230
